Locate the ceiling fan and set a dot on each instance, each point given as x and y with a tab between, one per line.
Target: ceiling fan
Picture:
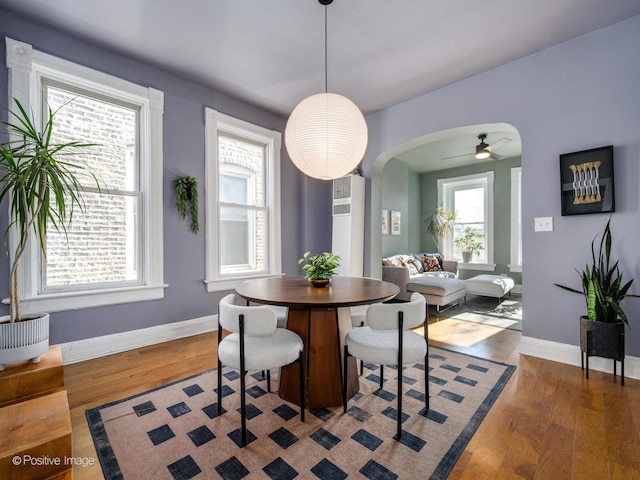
484	150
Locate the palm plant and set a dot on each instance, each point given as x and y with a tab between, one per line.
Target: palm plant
41	185
602	285
440	223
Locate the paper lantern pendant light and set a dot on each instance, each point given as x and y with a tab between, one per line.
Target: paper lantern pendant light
326	136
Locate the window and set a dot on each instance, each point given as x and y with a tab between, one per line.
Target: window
243	201
471	197
111	253
516	220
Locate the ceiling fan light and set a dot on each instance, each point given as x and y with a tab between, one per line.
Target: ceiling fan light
482	154
326	136
483	150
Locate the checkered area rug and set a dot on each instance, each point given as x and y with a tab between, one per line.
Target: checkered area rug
173	432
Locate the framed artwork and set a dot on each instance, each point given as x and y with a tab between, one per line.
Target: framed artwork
586	181
396	218
385	222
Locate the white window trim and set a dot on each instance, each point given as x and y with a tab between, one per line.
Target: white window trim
26	67
516	227
445	186
218	122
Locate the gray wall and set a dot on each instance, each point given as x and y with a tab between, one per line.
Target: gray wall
306	208
578	95
501	209
401	192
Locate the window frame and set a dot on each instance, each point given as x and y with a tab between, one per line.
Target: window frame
27	68
515	264
446	189
216	122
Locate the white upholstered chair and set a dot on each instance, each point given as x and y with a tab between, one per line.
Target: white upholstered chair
255	343
388	340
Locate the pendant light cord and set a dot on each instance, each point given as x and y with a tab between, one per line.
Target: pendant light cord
326	82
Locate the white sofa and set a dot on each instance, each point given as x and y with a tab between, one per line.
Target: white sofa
440	287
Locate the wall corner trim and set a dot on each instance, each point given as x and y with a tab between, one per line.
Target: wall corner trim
91	348
570	354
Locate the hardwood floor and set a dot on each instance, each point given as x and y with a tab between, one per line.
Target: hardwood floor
548	423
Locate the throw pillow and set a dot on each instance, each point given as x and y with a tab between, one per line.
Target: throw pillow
415	265
412	269
431	264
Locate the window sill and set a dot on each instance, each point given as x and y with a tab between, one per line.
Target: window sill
59	302
485	267
515	268
231	283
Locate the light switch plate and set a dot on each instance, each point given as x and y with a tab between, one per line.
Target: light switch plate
543	224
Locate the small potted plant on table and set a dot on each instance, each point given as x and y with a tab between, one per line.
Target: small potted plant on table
470	243
319	268
602	329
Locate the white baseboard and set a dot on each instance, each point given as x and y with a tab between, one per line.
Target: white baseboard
90	348
570	354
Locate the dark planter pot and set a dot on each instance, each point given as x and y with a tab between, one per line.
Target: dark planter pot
599	339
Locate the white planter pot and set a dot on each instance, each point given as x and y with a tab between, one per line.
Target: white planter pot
466	257
25	340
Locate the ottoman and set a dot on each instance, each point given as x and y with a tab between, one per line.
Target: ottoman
439	291
490	285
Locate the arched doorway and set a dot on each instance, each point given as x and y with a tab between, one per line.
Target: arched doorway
449	153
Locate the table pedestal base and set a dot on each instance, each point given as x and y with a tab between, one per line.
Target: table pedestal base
322	331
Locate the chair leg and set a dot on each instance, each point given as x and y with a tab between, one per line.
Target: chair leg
219	387
426	365
243	403
362	361
219	372
345	378
400	348
426	380
269	381
381	376
302	386
243	408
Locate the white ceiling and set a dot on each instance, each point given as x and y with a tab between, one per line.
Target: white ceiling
270	53
457	147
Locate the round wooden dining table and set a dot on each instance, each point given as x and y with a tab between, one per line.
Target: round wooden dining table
322	318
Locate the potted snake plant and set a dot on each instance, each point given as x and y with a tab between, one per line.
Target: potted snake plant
40	182
602	329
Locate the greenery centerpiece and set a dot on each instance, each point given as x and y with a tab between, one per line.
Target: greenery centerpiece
43	189
440	223
602	329
470	242
319	268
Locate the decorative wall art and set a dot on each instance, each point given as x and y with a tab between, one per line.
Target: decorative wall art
586	181
395	222
385	222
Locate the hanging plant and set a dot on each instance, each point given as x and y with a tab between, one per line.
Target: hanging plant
187	199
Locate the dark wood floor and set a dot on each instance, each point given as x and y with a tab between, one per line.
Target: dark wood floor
548	423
